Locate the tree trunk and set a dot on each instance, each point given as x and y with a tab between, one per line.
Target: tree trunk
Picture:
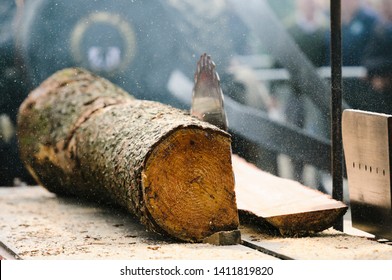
81	135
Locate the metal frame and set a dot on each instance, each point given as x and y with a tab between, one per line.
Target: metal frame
336	105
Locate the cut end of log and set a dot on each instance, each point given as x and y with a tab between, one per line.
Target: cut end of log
188	184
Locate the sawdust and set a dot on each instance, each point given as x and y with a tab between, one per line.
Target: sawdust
37	224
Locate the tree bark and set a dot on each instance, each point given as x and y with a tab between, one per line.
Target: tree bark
81	135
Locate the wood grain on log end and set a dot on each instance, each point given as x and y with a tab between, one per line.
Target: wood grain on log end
197	169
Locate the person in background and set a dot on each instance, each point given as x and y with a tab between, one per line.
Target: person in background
385	9
307	27
358	25
378	63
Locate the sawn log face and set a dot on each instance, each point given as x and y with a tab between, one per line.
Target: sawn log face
81	135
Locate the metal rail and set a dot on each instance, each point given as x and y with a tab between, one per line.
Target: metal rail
279	137
281	74
7	253
265	250
336	106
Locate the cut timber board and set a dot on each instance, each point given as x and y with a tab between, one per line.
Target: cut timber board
285	204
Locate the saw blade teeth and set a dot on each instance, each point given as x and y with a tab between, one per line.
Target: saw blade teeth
217	76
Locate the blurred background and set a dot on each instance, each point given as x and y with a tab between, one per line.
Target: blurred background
273	58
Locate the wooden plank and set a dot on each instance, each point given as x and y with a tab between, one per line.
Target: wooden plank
40	225
287	205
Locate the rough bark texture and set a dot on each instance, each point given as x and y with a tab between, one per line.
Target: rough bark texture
81	135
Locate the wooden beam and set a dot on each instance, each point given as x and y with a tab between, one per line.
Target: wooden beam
292	208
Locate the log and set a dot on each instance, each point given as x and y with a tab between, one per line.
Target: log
289	207
81	135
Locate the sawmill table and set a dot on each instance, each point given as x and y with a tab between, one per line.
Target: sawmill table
36	224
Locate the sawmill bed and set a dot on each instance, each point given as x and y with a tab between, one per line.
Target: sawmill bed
36	224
